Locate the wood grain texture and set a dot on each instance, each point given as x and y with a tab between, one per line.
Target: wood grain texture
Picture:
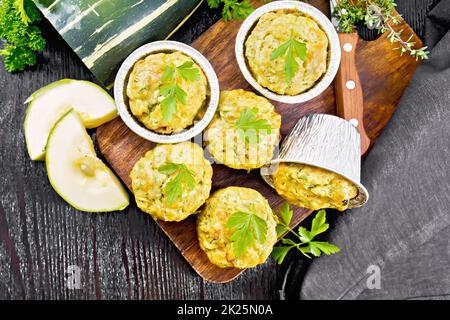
122	148
121	255
349	101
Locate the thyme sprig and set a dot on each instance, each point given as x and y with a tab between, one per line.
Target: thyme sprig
377	14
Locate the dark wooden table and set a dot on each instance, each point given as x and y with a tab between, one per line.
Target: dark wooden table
119	255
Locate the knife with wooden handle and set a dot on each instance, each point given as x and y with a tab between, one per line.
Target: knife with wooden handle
347	87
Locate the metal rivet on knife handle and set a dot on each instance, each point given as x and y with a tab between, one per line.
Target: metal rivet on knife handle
348	90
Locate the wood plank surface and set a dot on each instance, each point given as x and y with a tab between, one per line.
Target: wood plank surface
121	255
383	81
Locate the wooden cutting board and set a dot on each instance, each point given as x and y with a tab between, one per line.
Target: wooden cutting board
384	76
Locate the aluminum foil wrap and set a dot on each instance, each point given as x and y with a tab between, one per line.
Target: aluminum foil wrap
327	142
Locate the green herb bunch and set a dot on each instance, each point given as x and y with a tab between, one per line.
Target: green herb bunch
22	38
306	243
172	92
232	9
376	14
248	227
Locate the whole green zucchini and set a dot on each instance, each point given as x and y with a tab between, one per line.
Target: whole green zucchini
104	32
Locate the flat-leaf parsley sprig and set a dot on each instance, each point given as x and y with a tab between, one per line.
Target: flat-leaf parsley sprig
22	38
247	227
172	92
232	9
183	180
290	50
376	14
306	244
249	127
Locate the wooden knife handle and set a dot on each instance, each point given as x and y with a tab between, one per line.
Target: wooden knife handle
349	95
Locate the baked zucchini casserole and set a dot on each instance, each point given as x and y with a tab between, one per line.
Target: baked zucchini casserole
167	92
312	187
245	130
216	237
172	181
284	33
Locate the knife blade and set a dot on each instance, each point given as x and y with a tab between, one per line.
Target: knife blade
347	85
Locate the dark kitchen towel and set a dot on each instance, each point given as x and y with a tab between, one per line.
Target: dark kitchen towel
398	245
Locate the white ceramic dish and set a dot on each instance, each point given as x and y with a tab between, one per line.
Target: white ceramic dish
121	82
334	58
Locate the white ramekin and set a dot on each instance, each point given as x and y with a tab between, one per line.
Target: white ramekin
326	25
120	88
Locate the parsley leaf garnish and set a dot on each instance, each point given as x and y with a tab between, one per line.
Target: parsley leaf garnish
171	91
249	127
247	227
188	72
307	245
291	50
286	217
169	74
184	179
232	9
